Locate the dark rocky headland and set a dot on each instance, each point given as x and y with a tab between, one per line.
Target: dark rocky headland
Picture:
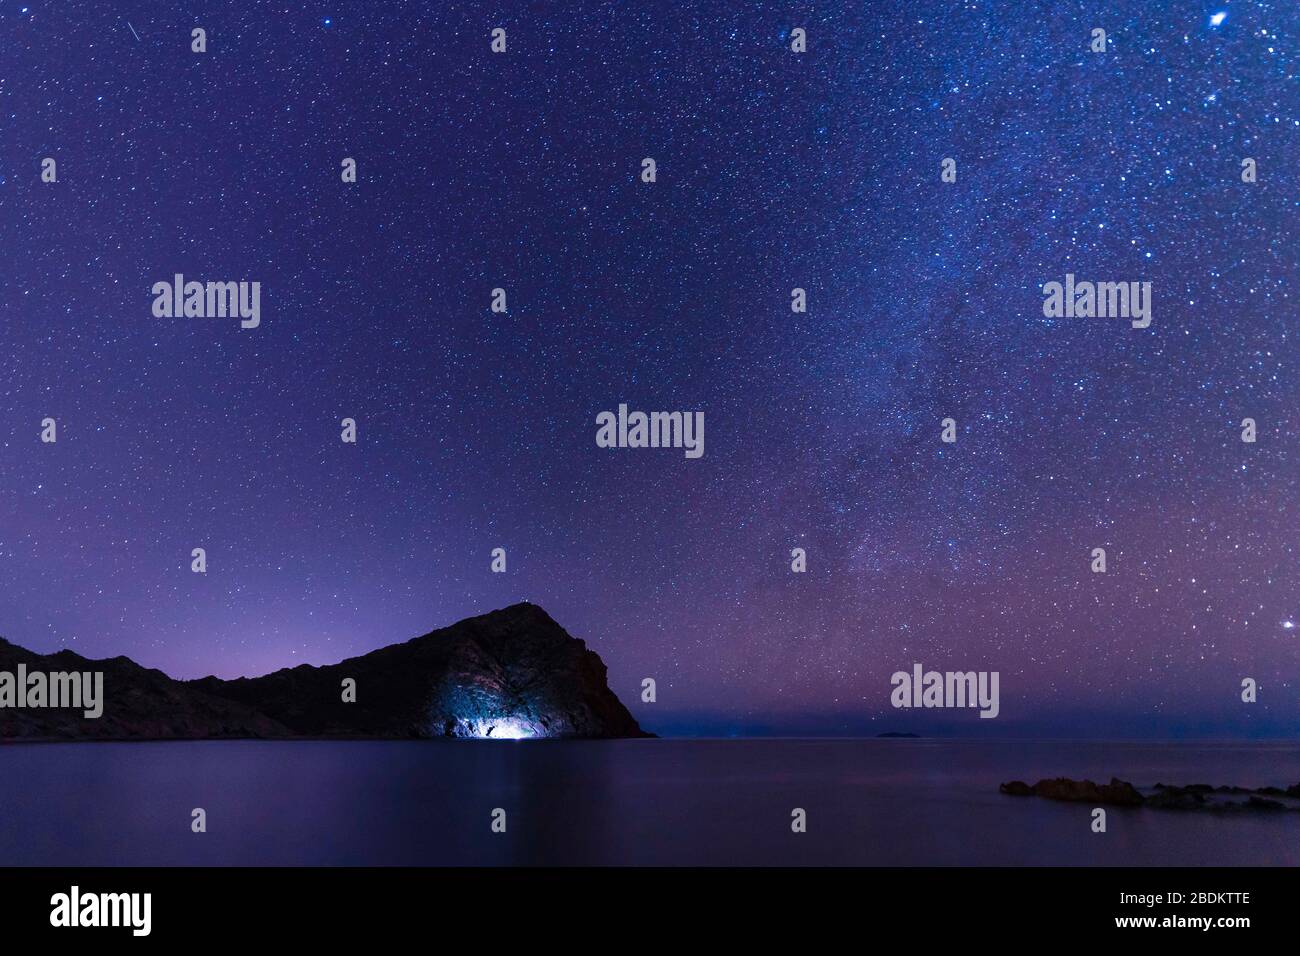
511	673
1196	796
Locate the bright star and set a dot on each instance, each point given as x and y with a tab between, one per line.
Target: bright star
1218	18
1288	625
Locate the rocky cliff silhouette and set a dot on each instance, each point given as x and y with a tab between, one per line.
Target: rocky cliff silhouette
510	673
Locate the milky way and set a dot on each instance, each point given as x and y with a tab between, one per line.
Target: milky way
776	170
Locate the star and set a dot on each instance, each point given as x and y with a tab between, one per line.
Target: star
777	170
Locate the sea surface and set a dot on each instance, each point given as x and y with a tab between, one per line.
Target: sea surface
645	802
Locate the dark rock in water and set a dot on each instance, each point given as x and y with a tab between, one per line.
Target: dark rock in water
1175	798
1117	792
1120	793
508	674
1196	796
1259	803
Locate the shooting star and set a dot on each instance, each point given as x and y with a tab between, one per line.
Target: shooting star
137	36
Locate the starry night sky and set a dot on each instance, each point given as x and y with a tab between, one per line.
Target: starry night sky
477	430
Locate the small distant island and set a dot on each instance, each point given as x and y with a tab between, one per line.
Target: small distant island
510	674
898	735
1196	796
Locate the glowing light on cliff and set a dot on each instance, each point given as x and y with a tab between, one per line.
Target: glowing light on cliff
505	728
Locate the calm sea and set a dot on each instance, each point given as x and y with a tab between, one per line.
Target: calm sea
658	802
